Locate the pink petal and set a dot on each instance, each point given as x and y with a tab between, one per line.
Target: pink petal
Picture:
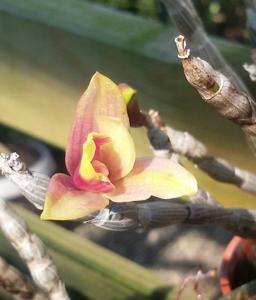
102	98
64	202
157	177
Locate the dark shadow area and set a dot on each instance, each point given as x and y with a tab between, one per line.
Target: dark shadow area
161	293
243	273
76	295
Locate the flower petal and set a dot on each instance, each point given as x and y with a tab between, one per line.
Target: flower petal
119	155
102	98
64	202
157	177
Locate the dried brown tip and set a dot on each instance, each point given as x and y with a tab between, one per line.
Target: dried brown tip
181	47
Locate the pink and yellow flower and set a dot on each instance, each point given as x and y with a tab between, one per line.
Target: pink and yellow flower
101	160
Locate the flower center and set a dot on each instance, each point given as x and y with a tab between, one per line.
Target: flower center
92	173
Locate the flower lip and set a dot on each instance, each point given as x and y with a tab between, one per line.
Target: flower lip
92	173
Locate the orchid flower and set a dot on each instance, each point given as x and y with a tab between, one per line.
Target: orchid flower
101	160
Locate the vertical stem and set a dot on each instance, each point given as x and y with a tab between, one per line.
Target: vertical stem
32	252
14	283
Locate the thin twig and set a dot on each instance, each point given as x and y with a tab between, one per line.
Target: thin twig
195	280
185	144
13	282
32	252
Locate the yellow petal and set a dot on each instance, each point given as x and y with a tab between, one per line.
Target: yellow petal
157	177
86	169
64	202
119	155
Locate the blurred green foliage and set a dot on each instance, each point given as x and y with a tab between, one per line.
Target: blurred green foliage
147	8
225	18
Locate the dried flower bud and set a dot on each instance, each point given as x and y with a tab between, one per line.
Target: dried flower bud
136	117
